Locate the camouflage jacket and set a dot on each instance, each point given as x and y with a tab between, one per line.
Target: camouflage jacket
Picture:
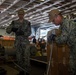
24	26
68	33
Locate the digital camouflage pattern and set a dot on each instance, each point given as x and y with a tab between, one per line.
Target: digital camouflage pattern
22	42
68	35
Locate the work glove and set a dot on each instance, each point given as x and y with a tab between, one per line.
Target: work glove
51	38
14	29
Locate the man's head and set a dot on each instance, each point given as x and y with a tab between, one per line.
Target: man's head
55	16
21	13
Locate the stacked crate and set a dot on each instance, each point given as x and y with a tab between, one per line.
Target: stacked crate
60	59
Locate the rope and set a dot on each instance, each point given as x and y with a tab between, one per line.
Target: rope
50	59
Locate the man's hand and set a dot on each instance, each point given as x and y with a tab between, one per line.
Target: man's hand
57	32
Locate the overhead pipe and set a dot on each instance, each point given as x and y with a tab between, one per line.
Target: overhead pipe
17	10
31	2
4	12
16	1
54	4
2	1
65	5
38	5
44	8
36	11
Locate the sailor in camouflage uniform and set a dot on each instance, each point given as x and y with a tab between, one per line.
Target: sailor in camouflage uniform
22	30
66	34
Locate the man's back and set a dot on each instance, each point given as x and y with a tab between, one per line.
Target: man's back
68	32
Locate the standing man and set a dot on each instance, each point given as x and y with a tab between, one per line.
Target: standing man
34	40
66	34
22	29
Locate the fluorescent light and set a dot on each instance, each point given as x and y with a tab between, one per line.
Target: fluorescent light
42	0
12	16
75	13
64	16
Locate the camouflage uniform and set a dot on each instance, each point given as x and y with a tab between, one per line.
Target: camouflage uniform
68	35
22	42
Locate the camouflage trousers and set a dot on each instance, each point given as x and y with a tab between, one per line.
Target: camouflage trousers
23	56
72	61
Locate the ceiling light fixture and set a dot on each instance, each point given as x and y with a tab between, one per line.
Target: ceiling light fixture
42	0
12	16
75	13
